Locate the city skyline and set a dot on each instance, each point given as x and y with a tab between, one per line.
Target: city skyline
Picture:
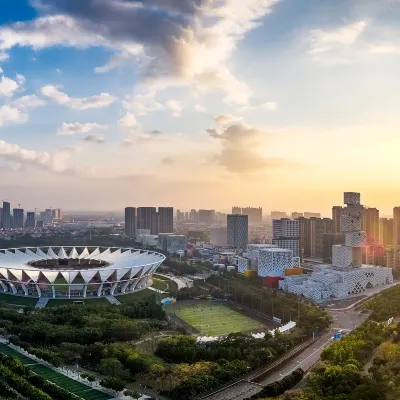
204	108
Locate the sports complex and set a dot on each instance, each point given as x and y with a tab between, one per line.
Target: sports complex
76	271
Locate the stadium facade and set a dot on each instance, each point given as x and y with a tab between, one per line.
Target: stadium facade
76	271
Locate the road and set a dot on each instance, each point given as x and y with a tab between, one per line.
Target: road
347	320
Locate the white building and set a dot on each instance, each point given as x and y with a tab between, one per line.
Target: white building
289	244
219	236
346	275
253	251
238	230
287	228
273	262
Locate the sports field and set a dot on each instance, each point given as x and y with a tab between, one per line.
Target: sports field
214	319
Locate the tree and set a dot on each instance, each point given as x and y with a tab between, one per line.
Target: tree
112	383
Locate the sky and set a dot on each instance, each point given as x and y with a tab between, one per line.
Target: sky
283	104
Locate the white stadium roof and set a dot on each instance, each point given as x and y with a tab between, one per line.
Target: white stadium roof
123	262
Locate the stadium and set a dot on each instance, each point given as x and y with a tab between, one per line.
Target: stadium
76	271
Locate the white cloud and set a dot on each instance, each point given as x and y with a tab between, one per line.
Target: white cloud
142	104
11	114
225	119
20	79
175	107
129	121
322	41
269	106
77	128
29	101
79	103
3	56
192	45
1	70
199	108
51	162
384	49
7	86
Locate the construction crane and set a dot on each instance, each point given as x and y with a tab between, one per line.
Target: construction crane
19	205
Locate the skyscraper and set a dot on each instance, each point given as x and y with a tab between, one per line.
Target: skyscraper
386	231
6	220
194	216
337	212
30	219
206	216
180	216
238	230
371	225
285	233
130	222
165	220
18	217
396	226
48	215
56	213
318	226
147	219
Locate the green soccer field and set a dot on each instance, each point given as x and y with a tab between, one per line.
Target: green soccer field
214	319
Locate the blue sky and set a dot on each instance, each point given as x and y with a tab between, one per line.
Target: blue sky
278	103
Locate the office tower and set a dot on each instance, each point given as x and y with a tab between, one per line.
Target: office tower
43	216
56	213
296	215
18	218
186	216
254	214
285	233
318	226
165	220
48	215
278	215
371	224
130	222
6	222
386	231
30	219
312	215
396	226
328	241
194	216
236	210
219	236
304	237
238	230
206	216
147	219
337	212
180	216
220	217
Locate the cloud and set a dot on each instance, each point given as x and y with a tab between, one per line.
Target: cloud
78	103
129	122
11	114
3	56
95	138
167	161
199	108
7	86
55	162
20	79
78	128
175	107
239	150
225	119
143	104
269	106
323	41
384	49
180	42
1	70
29	101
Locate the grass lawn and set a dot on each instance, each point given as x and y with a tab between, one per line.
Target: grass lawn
214	319
160	284
90	302
18	300
172	286
79	389
135	296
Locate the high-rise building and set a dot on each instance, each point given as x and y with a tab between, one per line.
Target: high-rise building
42	216
371	225
130	222
318	226
147	219
48	215
285	233
238	230
165	219
180	216
329	240
304	237
56	213
194	216
206	216
278	215
18	217
219	236
296	215
312	215
386	231
30	219
6	215
396	226
254	214
337	212
236	210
